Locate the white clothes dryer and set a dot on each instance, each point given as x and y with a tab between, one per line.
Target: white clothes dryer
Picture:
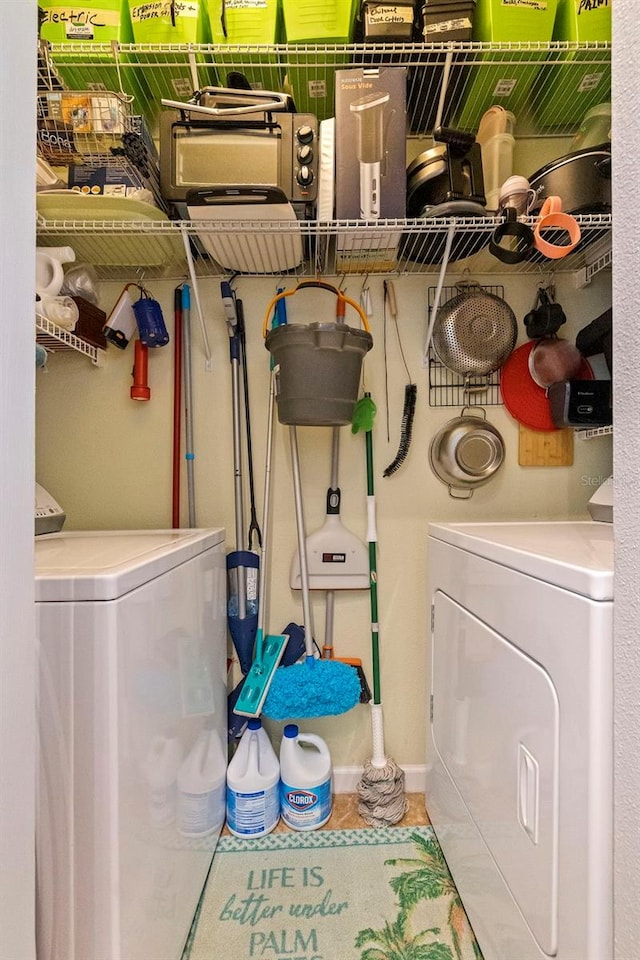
519	740
132	706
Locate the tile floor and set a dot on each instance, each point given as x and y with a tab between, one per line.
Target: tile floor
345	814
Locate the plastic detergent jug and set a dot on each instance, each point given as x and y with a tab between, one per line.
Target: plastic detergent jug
201	787
305	779
253	776
161	767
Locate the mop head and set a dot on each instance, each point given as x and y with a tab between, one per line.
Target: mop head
381	792
313	688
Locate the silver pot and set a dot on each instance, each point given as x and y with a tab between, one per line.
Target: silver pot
466	452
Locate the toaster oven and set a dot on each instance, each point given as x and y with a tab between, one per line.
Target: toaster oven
232	138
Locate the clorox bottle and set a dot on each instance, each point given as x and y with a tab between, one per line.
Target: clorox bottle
253	775
305	779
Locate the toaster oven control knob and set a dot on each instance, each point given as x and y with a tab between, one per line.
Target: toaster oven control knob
305	154
305	176
305	134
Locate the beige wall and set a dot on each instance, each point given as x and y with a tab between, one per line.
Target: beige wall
108	460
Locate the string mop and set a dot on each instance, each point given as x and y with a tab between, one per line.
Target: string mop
381	788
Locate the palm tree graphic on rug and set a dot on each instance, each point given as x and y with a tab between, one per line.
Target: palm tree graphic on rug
428	880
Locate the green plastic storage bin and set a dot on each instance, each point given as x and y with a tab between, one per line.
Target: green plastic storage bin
102	22
575	81
168	74
319	21
308	78
505	78
238	22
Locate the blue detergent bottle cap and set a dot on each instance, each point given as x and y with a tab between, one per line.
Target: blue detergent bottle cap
291	731
254	723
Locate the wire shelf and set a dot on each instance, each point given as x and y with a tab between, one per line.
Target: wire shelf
449	389
155	248
58	340
548	86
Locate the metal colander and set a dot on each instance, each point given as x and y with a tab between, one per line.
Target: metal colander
474	333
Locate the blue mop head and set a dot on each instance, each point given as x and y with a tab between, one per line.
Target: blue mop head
313	688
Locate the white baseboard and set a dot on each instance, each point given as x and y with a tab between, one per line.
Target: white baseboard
345	779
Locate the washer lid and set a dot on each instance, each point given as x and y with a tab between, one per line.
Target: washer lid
105	564
574	555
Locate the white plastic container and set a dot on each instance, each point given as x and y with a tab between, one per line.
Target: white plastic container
161	768
497	142
305	780
253	777
201	787
516	192
497	166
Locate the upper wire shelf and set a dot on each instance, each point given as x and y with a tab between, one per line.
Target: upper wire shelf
532	79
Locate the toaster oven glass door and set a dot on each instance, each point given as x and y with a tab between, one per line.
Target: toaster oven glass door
225	157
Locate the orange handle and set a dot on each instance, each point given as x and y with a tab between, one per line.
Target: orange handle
551	215
320	284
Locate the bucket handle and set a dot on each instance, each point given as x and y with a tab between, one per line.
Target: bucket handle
342	299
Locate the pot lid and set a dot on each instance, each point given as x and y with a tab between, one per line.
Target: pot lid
524	399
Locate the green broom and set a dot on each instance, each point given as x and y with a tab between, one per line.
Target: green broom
381	787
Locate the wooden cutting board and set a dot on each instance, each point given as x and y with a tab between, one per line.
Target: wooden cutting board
545	448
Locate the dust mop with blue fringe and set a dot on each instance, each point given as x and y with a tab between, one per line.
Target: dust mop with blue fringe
314	687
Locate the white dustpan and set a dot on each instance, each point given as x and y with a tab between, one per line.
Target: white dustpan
336	559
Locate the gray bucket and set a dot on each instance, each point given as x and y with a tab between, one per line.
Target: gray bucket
320	366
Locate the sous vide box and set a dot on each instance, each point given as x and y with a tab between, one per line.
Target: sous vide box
370	171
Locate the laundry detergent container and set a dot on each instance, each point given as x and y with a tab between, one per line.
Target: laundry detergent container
504	78
258	24
308	79
574	81
105	21
320	366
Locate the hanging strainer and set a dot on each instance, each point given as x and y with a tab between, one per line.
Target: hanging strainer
474	333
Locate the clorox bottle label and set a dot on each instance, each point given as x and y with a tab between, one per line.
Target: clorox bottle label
305	808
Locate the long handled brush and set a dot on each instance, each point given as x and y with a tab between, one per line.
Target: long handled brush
381	787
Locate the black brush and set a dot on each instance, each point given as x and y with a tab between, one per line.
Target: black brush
406	429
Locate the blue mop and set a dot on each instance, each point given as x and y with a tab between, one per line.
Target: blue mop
269	649
315	687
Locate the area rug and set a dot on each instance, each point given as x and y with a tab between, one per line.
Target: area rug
332	895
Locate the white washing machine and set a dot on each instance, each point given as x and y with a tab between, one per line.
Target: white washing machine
519	742
132	715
